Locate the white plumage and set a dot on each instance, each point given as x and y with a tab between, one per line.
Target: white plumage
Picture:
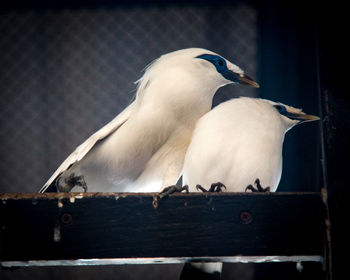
239	141
143	148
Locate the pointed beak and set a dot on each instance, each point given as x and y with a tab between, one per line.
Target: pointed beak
248	81
302	117
308	118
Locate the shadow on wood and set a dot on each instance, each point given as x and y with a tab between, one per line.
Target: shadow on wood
115	228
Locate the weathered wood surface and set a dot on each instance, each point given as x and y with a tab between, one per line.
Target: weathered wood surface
111	225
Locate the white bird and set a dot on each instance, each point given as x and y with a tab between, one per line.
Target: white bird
236	143
143	148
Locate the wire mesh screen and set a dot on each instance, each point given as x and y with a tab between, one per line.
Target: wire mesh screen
65	73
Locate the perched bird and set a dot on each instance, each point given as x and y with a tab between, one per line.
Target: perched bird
143	148
238	142
236	145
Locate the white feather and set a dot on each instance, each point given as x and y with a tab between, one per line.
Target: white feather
89	143
237	142
143	148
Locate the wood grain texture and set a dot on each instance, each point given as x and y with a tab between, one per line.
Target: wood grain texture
109	225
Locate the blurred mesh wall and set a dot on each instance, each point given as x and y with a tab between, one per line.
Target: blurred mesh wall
64	73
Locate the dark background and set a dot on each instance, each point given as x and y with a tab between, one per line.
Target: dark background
67	69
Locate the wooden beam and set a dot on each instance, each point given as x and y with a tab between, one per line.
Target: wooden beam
125	226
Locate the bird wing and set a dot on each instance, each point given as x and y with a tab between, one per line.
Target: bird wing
89	143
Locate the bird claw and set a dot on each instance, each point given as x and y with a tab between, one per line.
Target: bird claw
71	182
258	187
216	187
172	189
166	192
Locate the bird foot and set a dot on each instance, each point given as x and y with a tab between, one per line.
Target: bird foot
258	187
172	189
166	192
216	187
71	182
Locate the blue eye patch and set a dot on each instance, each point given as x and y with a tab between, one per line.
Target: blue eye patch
281	109
221	66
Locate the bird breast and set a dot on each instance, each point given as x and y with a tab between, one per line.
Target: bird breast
235	148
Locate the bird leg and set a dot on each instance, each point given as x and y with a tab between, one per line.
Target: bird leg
258	188
216	187
71	182
172	189
166	192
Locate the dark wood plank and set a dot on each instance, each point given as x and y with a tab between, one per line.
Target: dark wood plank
96	225
335	107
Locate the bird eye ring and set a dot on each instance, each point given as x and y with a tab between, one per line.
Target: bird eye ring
280	108
220	62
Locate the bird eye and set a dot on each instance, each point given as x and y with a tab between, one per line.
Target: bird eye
280	108
220	62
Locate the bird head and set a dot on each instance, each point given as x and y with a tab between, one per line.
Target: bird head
292	116
229	71
194	66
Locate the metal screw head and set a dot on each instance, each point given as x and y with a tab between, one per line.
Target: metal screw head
246	217
66	218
